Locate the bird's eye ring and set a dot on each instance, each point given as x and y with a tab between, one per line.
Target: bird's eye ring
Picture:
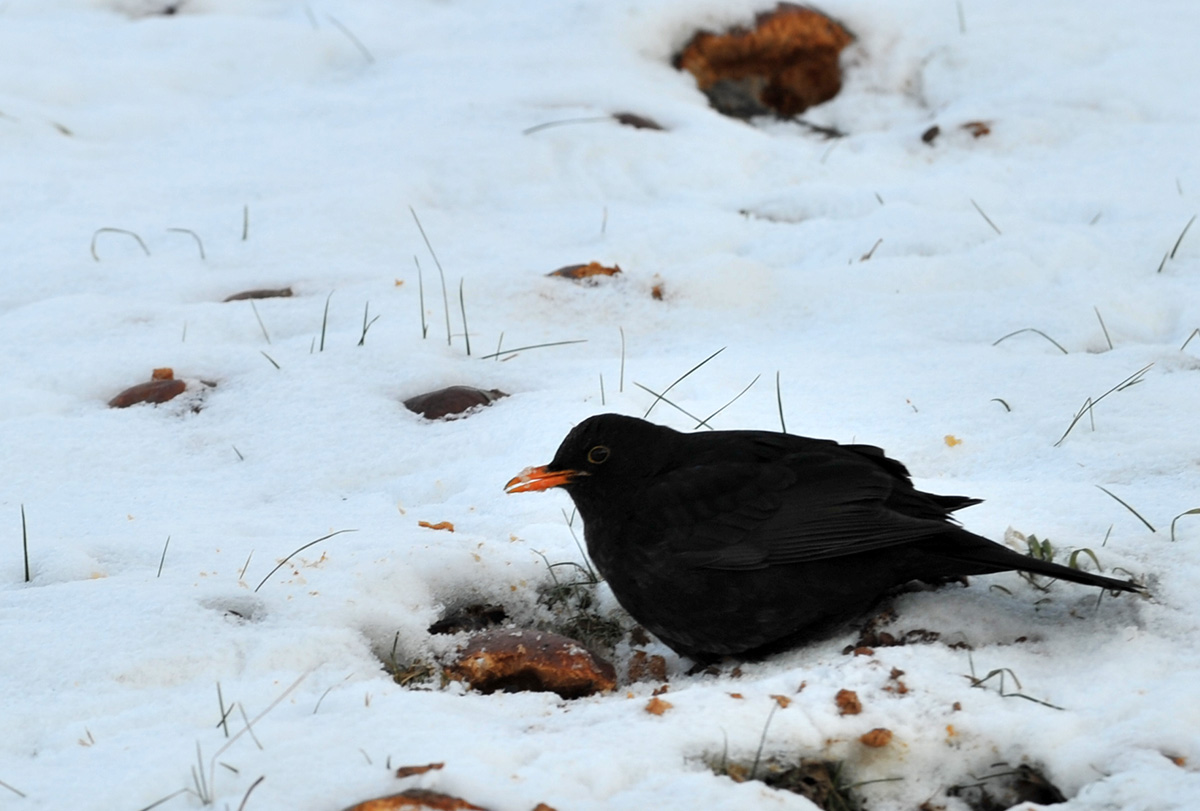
598	455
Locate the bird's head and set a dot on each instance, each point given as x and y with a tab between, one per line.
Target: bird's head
602	454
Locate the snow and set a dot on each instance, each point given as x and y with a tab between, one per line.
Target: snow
325	122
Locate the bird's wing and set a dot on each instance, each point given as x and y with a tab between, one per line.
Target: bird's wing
806	506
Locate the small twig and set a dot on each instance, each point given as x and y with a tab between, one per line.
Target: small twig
672	404
602	401
271	359
442	273
1007	407
705	421
587	564
1089	403
100	231
366	324
250	724
325	320
22	794
680	379
421	296
239	453
621	386
263	326
299	550
979	682
246	721
962	19
1102	327
1195	511
245	222
350	35
564	121
350	675
604	222
1125	504
246	796
195	236
462	305
163	559
1182	235
198	778
986	218
245	566
499	343
1031	329
157	803
779	402
871	252
1195	332
820	129
25	542
762	739
533	346
224	722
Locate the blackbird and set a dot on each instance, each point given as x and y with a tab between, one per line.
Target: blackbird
747	542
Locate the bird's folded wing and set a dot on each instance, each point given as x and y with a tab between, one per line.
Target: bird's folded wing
805	506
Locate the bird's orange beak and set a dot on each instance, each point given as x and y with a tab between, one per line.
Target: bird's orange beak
540	478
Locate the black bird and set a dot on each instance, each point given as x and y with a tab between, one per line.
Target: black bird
746	542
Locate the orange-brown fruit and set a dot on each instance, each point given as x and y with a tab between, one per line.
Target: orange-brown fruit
451	401
877	738
520	660
416	799
786	64
847	702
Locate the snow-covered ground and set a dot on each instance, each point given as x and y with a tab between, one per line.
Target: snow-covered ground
291	139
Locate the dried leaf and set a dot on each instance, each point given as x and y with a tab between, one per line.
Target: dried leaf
155	391
877	738
643	667
636	121
589	271
409	771
282	292
656	706
977	128
847	702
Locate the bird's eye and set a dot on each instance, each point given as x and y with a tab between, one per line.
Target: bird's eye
598	455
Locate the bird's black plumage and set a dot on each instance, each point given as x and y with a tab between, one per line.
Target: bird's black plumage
734	542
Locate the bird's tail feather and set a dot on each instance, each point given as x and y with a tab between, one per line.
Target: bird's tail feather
986	556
